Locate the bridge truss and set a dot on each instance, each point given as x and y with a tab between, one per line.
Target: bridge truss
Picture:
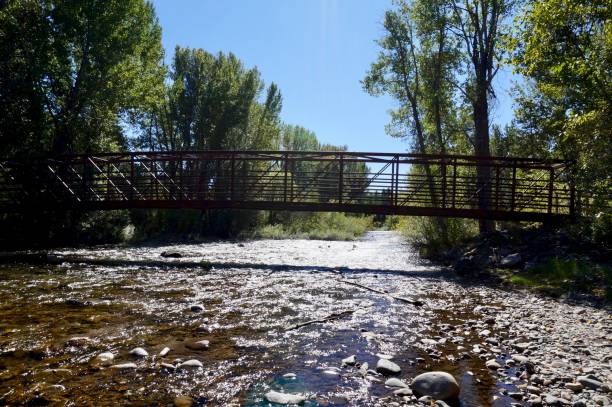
375	183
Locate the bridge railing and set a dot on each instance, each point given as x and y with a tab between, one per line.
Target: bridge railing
437	185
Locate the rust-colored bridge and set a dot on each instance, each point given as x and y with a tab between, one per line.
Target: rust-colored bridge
376	183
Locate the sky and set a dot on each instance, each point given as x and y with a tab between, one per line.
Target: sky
317	51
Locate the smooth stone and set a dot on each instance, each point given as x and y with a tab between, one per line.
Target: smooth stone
439	385
199	345
363	369
104	358
350	361
197	308
385	366
289	375
394	382
164	351
588	382
124	366
284	398
183	401
139	352
575	387
191	363
167	365
492	364
405	391
331	372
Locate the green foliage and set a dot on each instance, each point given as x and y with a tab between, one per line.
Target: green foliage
432	240
71	72
324	226
565	48
568	276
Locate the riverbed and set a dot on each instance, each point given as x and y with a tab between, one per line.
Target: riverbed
282	315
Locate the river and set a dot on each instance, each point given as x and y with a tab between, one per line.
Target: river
247	299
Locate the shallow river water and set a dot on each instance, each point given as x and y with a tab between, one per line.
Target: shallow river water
55	320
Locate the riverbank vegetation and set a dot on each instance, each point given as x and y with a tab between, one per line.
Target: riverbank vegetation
439	60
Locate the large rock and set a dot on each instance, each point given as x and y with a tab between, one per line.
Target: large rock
439	385
284	398
385	366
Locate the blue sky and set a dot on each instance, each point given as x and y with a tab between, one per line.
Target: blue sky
317	51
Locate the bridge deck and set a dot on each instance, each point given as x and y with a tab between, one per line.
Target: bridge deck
378	183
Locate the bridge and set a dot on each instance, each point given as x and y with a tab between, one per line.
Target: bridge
373	183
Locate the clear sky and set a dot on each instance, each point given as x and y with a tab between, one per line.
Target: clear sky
317	51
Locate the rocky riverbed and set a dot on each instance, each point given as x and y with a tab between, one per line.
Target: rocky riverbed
290	321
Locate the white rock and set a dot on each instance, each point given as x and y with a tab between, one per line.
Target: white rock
139	352
284	398
164	351
350	361
124	366
385	366
191	363
394	382
104	358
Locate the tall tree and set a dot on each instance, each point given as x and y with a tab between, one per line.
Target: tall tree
479	26
72	72
564	48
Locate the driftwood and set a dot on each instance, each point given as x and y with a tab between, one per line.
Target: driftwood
416	303
320	321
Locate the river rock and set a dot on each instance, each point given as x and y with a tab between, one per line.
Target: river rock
284	398
139	353
394	382
124	366
197	308
385	366
104	358
439	385
589	382
492	364
164	351
199	345
575	387
190	364
350	361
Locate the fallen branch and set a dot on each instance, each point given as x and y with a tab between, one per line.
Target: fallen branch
320	321
416	303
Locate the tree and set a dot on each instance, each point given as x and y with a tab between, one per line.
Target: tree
564	48
71	73
479	26
415	66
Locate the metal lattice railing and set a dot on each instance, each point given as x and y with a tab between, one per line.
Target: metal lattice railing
405	184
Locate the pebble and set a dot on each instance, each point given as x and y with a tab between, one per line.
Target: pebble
349	361
199	345
589	382
385	366
197	308
191	363
284	398
164	351
492	364
104	358
139	352
124	366
394	382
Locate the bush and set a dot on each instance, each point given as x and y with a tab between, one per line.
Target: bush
323	225
433	236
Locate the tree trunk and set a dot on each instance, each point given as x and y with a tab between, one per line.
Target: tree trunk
481	139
